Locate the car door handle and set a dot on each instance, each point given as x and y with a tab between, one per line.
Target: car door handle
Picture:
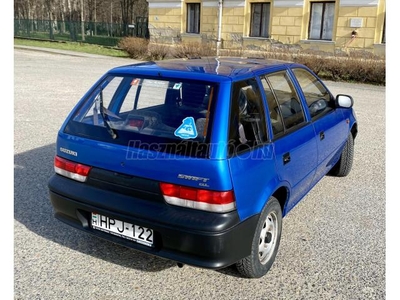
321	135
286	158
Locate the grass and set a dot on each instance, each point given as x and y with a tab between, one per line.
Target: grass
73	46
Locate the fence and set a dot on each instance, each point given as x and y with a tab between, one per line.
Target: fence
100	33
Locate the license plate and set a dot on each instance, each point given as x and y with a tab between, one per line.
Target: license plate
123	229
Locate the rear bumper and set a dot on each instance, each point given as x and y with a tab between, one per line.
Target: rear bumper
192	237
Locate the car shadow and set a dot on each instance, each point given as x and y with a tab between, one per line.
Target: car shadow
230	271
32	208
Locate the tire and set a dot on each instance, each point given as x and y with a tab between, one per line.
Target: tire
266	238
343	167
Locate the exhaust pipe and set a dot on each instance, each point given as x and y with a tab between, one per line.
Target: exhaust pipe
180	265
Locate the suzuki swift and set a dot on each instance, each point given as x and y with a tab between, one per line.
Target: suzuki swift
198	160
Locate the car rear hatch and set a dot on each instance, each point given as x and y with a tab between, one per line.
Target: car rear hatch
150	139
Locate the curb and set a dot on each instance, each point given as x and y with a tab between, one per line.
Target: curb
57	51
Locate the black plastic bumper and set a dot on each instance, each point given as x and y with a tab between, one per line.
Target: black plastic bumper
192	237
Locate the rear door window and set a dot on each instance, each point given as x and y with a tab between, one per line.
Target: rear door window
273	107
289	107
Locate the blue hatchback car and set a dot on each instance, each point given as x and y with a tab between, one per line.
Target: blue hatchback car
198	160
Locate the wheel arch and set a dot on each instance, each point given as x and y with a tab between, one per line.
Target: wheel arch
282	195
354	130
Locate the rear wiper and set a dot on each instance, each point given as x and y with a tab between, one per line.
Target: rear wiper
104	115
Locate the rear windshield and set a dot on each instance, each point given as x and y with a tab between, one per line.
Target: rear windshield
163	115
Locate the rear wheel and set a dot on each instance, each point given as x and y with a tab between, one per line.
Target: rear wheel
343	166
265	242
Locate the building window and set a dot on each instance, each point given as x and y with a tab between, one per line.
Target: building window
260	19
321	21
193	18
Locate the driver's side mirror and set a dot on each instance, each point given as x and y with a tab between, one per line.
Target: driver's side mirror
344	101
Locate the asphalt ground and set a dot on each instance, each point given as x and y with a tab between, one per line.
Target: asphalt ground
333	242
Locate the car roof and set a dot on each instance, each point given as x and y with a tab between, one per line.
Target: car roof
211	68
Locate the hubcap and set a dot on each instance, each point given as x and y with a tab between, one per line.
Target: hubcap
268	236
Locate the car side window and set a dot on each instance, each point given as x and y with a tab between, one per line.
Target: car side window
317	96
290	107
247	117
273	107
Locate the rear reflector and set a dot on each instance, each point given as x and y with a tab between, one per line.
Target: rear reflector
214	201
71	169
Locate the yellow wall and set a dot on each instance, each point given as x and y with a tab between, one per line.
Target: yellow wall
166	17
365	35
165	24
232	20
288	25
209	20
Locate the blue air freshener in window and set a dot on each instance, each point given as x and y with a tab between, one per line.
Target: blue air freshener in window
187	130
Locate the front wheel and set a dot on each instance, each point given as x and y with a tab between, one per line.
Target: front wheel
343	166
265	242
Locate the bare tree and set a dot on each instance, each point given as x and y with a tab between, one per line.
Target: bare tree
63	13
49	8
127	13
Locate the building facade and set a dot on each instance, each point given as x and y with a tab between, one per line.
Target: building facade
256	24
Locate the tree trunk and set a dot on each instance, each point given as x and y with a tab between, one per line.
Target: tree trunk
82	22
62	15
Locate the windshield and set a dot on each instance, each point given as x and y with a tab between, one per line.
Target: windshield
147	111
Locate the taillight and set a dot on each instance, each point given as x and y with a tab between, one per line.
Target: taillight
214	201
71	169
